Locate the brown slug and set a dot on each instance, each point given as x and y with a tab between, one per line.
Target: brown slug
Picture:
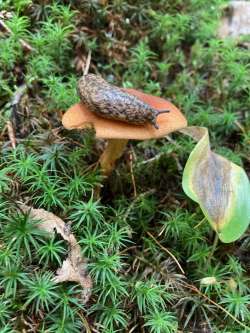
111	102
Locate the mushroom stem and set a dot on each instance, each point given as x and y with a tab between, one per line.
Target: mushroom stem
111	153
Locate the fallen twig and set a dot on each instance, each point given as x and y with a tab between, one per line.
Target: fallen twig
153	159
18	95
132	173
15	102
195	289
24	44
86	67
11	134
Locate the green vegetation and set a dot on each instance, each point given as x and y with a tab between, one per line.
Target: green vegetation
167	48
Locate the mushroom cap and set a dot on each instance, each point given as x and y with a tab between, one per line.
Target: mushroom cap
79	117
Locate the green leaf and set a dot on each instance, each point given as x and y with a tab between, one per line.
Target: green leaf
220	187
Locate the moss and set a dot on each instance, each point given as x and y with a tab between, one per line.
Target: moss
167	48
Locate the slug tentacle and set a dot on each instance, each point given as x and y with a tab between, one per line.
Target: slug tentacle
161	111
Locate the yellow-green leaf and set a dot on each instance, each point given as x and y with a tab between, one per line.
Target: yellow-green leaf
220	187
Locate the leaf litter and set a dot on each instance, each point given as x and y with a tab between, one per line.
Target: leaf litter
74	267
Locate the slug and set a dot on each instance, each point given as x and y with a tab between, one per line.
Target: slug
111	102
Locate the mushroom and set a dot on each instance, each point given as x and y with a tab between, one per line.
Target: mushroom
118	133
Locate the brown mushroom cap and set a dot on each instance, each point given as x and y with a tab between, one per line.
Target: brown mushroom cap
78	116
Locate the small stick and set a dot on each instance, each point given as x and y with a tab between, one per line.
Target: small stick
16	99
87	65
132	173
11	134
150	160
18	94
195	289
24	44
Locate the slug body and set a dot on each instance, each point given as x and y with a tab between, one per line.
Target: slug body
111	102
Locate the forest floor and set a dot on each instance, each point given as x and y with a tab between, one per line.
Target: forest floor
128	240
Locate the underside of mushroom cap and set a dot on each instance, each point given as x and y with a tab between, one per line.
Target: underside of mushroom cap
79	117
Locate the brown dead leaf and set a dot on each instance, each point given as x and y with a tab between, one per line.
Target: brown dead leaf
74	267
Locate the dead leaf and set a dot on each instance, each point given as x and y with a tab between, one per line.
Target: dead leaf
220	187
74	267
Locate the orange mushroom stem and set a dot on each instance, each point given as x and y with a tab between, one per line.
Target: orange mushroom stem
111	154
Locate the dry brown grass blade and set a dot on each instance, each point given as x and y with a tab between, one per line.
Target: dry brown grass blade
167	251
